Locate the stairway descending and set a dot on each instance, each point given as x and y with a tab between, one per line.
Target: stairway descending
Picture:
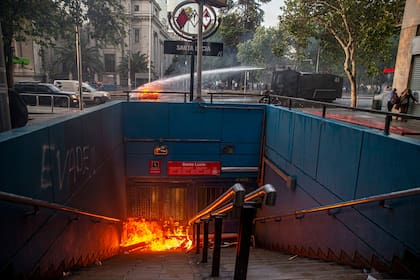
263	265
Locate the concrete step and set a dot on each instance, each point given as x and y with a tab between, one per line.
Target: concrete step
263	265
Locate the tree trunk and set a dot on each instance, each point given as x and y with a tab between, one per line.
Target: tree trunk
8	54
350	69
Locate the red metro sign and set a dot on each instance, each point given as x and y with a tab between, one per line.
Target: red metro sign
193	168
185	21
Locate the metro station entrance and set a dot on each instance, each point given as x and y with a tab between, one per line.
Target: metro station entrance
174	201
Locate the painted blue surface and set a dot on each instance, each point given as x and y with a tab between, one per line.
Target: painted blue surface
339	142
306	134
83	161
333	162
192	133
77	161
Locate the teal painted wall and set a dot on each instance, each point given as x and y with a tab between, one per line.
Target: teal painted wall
334	162
83	161
76	161
192	133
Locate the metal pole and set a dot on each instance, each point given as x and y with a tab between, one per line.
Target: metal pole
79	67
149	62
192	79
129	55
317	59
244	244
199	50
205	241
5	123
217	244
197	241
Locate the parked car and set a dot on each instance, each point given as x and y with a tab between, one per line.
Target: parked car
90	94
36	93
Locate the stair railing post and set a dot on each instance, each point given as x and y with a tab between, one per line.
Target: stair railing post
205	241
197	238
245	233
218	220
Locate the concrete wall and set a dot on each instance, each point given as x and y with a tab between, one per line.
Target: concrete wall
335	162
75	161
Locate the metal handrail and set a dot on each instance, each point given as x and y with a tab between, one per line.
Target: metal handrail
288	103
127	92
40	203
379	112
52	97
236	192
381	197
217	209
267	191
388	115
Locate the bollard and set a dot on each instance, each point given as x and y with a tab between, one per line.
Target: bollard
197	243
245	233
217	244
388	120
205	241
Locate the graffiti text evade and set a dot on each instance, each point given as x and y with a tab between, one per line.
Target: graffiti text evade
72	164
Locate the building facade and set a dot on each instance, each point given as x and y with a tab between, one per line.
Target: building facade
146	31
407	68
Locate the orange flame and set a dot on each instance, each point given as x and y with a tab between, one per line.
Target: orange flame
148	91
154	236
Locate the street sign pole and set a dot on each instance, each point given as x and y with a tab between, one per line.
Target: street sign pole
184	19
192	79
199	50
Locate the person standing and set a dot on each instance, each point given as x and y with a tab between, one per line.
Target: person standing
405	97
393	99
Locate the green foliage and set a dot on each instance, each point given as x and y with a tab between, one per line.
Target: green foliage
91	58
362	29
240	19
138	64
264	49
45	21
366	24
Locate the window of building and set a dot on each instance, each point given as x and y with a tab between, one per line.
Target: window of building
136	35
418	30
109	62
136	8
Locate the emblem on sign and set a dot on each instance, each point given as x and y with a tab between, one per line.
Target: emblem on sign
185	21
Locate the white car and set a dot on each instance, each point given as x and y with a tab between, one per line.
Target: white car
90	94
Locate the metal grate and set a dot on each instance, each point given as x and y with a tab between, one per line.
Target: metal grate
176	202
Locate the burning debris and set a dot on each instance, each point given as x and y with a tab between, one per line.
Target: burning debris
140	234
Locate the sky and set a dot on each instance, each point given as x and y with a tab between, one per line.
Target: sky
271	11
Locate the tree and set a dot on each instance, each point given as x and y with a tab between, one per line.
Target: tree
240	19
138	64
361	28
91	58
47	20
264	49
